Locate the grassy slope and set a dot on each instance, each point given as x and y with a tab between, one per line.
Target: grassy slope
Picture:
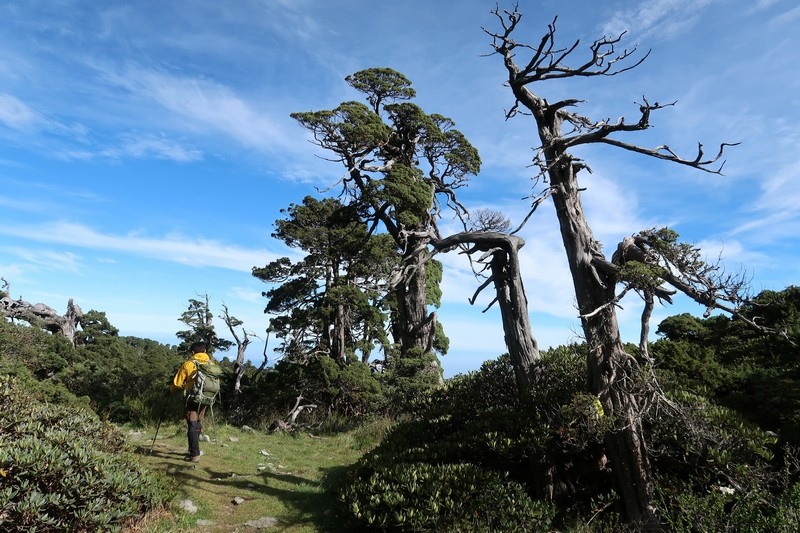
287	484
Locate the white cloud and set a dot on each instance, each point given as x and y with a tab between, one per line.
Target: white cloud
24	205
15	114
47	259
656	18
146	146
172	248
205	106
787	17
776	212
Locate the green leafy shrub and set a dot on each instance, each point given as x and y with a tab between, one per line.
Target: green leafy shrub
726	509
460	497
346	393
411	379
553	449
62	469
475	432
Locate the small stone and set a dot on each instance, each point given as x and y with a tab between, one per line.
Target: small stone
205	438
265	522
248	428
238	501
233	439
188	506
265	453
201	522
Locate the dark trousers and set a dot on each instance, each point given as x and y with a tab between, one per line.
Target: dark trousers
194	414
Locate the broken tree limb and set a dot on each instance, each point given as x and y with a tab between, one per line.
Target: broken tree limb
43	316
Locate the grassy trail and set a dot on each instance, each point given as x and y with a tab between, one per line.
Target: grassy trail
280	477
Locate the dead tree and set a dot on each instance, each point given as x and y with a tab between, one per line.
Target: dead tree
43	316
241	345
499	254
290	423
613	374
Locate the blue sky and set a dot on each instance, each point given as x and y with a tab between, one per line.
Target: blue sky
146	147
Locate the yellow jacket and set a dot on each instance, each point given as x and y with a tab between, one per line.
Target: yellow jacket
184	377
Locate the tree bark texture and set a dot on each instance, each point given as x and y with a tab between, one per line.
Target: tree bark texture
502	251
414	327
611	371
43	316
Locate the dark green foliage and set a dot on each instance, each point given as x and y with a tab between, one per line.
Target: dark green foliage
411	379
476	427
94	328
757	373
351	127
402	166
61	469
329	301
715	510
123	378
349	390
553	450
450	497
409	195
199	318
381	84
43	354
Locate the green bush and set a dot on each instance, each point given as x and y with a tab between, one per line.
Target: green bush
475	432
726	509
411	379
553	450
426	497
62	469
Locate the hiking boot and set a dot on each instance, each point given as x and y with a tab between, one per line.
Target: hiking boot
192	458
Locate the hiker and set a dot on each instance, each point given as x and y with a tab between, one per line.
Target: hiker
194	411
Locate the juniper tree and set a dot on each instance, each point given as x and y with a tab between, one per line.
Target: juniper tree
644	263
200	319
402	167
329	301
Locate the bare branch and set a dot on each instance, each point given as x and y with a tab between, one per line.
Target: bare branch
477	292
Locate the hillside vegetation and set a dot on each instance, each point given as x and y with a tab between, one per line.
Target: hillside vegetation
77	449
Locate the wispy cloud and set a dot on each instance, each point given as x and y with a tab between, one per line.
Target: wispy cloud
656	18
172	248
787	17
60	261
150	146
776	212
26	206
15	114
204	106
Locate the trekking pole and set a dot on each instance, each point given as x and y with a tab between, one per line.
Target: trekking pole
213	425
158	426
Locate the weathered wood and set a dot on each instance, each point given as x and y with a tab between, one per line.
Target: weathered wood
502	253
612	373
43	316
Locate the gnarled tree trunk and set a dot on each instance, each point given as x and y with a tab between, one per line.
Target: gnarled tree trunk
501	250
43	316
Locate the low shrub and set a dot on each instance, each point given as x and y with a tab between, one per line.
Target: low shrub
714	470
63	469
455	497
724	508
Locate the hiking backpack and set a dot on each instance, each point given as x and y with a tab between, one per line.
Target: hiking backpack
206	382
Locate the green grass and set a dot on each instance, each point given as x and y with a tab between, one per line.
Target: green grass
288	484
